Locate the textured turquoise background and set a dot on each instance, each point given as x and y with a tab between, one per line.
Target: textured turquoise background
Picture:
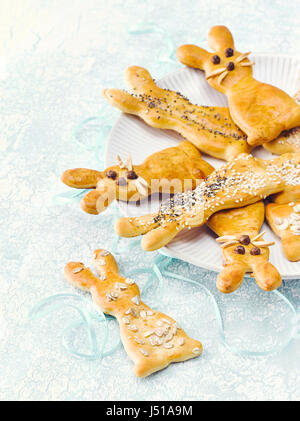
55	57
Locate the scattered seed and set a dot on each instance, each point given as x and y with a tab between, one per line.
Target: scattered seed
144	352
136	300
77	270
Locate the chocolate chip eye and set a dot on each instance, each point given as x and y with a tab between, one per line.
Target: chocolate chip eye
229	52
230	66
239	250
245	239
111	174
215	59
132	175
255	251
122	181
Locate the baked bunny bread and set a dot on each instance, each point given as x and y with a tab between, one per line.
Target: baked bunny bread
171	170
151	339
284	220
260	110
288	141
287	167
243	248
210	129
237	183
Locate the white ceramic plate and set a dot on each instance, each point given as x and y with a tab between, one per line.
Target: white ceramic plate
131	135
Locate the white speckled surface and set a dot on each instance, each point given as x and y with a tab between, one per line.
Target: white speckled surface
55	58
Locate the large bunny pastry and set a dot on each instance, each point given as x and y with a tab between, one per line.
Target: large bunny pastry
152	339
244	250
261	110
171	170
287	167
238	183
210	129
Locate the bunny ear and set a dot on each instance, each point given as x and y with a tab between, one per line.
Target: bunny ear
220	38
105	264
231	277
192	56
80	276
137	78
97	200
81	178
122	100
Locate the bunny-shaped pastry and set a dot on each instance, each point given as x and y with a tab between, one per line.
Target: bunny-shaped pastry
244	250
285	222
171	170
262	111
237	183
210	129
152	339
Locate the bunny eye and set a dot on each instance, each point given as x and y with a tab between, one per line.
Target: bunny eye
239	250
229	52
111	174
255	251
132	175
215	59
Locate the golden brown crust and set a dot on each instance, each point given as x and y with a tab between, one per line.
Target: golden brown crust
284	225
288	141
171	170
243	181
151	339
210	129
287	166
261	110
235	223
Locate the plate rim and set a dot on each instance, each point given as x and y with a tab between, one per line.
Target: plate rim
165	250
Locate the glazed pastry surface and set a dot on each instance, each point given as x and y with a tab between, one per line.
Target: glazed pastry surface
151	339
210	129
238	183
287	167
288	141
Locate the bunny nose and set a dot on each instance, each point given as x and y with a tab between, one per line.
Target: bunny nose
230	66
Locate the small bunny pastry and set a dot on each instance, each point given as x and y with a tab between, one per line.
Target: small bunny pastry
171	170
243	248
210	129
288	141
285	222
262	111
237	183
151	339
